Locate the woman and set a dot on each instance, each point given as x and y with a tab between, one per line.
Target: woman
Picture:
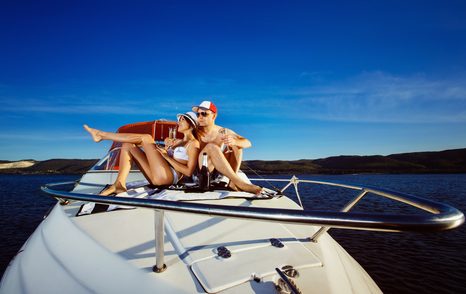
154	162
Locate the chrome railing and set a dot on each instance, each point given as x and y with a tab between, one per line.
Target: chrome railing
442	217
444	214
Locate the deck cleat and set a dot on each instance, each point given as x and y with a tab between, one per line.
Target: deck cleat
223	252
276	243
290	271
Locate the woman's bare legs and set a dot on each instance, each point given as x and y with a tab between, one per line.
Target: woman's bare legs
124	168
223	166
151	163
94	133
98	135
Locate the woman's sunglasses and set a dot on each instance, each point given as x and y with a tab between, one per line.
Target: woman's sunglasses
204	114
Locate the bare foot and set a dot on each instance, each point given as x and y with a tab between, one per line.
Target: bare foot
113	189
243	186
94	133
233	186
255	189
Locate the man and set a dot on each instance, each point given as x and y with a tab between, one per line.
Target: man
212	138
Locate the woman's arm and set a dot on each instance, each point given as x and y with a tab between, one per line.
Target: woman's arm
172	143
188	168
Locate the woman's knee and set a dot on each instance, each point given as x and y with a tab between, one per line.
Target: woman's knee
127	146
158	180
147	139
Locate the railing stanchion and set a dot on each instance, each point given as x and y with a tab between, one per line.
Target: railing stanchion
347	208
286	187
159	242
295	182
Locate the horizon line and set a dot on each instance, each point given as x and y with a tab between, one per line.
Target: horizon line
410	152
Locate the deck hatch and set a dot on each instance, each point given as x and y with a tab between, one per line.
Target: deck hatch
217	274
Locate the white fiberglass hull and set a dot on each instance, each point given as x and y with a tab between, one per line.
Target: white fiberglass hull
114	252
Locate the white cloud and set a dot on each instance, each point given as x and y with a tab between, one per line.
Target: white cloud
381	97
154	96
34	136
367	97
82	106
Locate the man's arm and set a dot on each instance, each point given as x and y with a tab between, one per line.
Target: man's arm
233	139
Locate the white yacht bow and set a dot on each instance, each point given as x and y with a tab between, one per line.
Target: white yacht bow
181	241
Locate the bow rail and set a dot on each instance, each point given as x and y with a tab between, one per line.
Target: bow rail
442	217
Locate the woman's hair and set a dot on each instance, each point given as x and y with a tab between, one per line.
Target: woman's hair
194	129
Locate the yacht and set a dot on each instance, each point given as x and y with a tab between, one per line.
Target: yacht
179	239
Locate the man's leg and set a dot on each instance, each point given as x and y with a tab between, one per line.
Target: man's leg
234	158
220	163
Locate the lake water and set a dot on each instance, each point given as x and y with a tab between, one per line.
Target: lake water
398	262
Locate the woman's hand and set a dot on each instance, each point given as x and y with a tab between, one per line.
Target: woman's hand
169	143
162	151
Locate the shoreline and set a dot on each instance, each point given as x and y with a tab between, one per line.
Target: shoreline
433	162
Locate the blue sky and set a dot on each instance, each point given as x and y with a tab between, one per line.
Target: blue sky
300	79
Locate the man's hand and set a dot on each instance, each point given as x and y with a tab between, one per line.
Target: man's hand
229	140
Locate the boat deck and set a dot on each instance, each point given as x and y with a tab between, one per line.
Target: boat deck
192	241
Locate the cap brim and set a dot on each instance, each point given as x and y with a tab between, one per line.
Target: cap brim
196	108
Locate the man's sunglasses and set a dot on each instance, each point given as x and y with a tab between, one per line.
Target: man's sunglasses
204	114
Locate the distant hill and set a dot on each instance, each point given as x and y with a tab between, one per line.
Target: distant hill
448	161
303	166
16	164
54	166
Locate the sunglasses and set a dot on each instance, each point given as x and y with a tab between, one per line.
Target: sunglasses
204	114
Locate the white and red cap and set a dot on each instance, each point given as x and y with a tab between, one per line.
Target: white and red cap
207	105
